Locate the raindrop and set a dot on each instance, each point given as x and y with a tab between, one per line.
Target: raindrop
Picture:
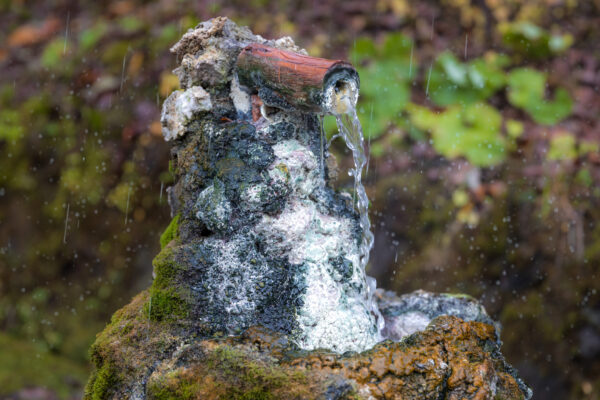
67	32
127	205
66	225
428	78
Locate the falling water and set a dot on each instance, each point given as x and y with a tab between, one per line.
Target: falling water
351	130
342	104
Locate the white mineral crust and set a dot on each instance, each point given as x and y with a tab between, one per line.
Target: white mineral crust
335	313
180	108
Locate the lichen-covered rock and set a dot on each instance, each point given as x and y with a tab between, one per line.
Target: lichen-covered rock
214	210
258	291
262	238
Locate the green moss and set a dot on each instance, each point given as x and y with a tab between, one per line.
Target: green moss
128	346
167	298
231	373
101	383
185	390
170	233
460	296
166	305
166	269
250	379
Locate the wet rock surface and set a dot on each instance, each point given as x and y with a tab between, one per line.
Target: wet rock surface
258	292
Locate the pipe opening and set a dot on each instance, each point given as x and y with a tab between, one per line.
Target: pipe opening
341	96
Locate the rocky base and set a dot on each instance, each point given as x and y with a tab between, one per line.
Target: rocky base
137	358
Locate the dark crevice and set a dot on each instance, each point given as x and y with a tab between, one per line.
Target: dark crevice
444	389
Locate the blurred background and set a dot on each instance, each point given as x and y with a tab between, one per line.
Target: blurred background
482	121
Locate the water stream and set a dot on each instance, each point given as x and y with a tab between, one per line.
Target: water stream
342	104
351	130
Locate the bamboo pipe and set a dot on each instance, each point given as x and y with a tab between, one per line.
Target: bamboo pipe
285	79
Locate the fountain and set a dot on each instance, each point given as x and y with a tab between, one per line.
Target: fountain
260	290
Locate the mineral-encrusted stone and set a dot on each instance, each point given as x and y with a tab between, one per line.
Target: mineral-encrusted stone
258	292
253	200
180	109
209	51
410	313
214	210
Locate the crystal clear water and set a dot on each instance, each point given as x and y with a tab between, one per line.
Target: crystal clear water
342	104
350	128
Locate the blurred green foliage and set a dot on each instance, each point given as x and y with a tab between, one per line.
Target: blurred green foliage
454	82
471	131
527	90
17	371
533	41
385	71
469	127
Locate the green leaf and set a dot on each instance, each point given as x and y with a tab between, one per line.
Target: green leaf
396	45
587	147
10	126
363	49
90	37
454	82
130	23
455	71
471	131
514	128
533	41
562	147
560	43
526	90
584	177
53	54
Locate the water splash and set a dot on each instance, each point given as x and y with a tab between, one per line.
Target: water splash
341	102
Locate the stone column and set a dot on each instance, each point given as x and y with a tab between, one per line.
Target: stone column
262	238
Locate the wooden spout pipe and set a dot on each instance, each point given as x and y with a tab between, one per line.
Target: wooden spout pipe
285	79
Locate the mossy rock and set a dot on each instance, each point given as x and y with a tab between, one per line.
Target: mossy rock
137	357
172	232
168	299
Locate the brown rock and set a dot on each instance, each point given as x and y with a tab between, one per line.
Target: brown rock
451	359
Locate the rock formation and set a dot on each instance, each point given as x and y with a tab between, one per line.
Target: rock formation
258	292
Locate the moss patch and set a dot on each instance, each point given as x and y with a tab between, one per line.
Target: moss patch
167	298
172	232
166	269
129	345
166	305
231	373
102	383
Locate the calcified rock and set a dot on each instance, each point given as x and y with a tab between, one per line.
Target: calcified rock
181	108
258	291
410	313
262	238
